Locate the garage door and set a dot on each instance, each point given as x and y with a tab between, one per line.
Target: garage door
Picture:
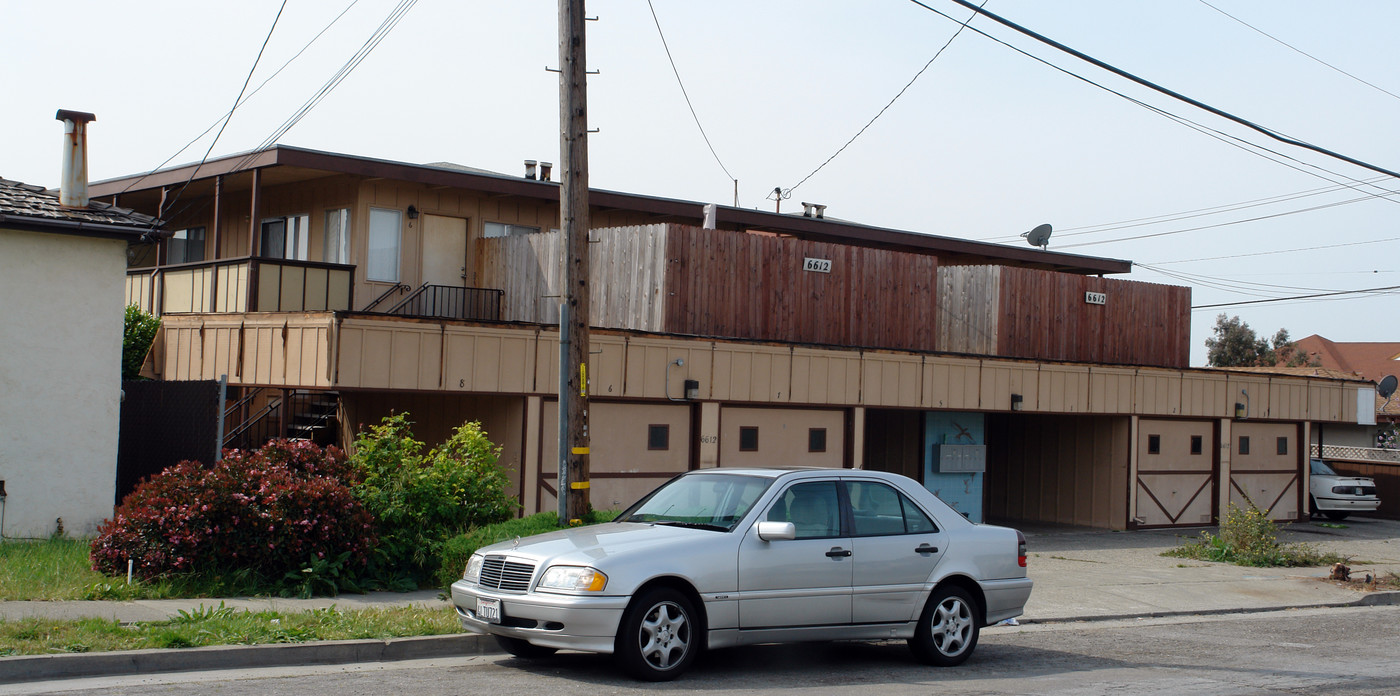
1264	469
1176	474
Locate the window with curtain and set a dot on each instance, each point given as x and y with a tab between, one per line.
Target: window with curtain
337	241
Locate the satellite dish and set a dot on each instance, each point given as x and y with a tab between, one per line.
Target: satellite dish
1386	387
1038	237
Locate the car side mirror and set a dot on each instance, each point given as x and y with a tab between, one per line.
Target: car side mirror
777	531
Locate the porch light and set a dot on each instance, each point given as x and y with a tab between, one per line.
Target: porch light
1239	411
1016	402
692	389
412	212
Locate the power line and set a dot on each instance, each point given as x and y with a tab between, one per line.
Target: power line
1387	290
236	101
907	85
687	96
1282	251
1299	50
245	99
1275	135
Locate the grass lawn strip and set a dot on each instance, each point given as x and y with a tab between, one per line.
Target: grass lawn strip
222	626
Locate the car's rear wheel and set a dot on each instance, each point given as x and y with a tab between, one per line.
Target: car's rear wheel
523	648
659	636
1337	515
948	628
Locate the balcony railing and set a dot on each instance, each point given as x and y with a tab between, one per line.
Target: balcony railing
1357	454
450	302
245	284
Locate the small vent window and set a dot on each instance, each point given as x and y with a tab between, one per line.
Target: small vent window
748	438
1244	444
816	439
658	437
1154	444
1283	445
1197	444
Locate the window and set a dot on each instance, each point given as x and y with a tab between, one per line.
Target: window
286	237
384	239
337	236
878	510
1283	445
658	437
1154	444
1244	444
748	438
1197	444
812	508
500	229
186	246
816	439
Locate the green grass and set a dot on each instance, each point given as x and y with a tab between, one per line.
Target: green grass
222	626
58	568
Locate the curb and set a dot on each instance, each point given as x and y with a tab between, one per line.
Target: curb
30	668
1374	599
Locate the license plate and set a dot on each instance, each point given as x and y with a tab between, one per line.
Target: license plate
489	610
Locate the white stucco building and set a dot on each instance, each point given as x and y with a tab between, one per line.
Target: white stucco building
62	271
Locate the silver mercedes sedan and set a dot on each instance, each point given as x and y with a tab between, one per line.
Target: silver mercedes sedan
725	557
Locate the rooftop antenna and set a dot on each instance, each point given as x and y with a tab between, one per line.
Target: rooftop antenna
1039	237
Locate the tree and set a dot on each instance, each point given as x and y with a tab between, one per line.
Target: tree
138	332
1236	345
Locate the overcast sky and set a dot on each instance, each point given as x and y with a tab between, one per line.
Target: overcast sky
986	144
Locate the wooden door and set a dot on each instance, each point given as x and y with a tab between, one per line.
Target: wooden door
1264	469
1176	473
444	250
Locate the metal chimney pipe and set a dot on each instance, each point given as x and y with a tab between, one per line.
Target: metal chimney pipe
545	169
821	211
806	209
530	169
73	191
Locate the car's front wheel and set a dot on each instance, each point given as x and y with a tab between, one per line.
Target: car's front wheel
948	629
659	636
523	648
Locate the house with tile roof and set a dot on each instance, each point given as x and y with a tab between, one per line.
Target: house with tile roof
62	274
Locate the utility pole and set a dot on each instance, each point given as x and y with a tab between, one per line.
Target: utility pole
573	214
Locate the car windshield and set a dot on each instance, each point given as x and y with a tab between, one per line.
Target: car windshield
705	501
1320	468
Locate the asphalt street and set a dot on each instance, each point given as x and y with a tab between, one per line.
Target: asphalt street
1300	651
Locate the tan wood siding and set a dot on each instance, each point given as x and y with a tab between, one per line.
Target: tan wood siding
621	467
749	285
889	379
1058	469
782	437
1044	316
825	377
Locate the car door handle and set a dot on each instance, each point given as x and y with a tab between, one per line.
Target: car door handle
925	548
838	552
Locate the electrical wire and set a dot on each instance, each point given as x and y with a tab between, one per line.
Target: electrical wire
1268	132
1299	50
686	94
236	101
949	42
1387	290
1283	251
245	99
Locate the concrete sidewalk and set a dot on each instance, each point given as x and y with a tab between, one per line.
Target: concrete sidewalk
1080	574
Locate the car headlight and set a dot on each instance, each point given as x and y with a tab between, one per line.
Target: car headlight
572	579
473	571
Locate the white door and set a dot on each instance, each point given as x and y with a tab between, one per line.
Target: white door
444	250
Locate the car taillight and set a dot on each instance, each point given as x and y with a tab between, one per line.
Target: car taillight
1020	549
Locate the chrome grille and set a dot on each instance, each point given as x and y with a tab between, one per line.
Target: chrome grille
499	574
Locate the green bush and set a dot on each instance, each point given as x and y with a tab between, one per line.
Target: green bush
139	330
421	500
458	549
1249	538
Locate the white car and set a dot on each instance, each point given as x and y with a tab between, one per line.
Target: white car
1337	496
728	557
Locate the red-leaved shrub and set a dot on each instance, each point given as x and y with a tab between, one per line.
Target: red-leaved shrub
267	512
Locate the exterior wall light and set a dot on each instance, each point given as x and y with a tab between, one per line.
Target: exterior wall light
692	389
412	212
1016	402
1239	411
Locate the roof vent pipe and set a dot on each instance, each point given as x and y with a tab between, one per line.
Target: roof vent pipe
73	192
821	211
711	215
806	209
530	169
545	169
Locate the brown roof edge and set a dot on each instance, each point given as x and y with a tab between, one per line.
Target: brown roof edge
845	231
